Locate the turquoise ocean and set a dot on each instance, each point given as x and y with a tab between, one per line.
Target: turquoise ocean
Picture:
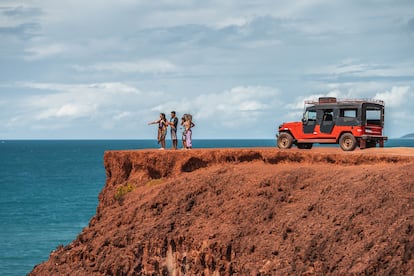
49	191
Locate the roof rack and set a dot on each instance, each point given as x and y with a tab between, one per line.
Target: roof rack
333	100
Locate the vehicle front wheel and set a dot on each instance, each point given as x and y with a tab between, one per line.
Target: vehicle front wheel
347	142
284	141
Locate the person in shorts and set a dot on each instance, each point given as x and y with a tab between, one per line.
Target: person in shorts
173	124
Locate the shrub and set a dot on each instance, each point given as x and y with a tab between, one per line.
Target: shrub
154	182
121	191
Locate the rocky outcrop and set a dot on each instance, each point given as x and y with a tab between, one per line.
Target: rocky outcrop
247	212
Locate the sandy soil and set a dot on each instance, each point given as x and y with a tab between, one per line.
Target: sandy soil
393	151
248	212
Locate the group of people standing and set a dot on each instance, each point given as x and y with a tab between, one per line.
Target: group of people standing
163	124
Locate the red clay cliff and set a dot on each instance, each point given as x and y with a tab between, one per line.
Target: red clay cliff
248	212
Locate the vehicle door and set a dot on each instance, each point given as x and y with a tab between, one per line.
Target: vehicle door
309	121
327	121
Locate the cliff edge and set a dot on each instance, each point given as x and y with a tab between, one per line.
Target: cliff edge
248	212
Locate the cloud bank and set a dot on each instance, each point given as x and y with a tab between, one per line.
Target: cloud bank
98	69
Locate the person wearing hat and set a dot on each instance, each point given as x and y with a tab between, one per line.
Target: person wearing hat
188	125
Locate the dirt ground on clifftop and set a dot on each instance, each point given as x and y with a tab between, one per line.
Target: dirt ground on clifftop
314	212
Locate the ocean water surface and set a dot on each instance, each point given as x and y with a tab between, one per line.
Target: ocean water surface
49	191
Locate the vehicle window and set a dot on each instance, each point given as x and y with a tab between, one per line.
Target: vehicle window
311	115
348	113
373	114
327	115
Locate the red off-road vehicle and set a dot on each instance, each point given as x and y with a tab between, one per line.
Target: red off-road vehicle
349	123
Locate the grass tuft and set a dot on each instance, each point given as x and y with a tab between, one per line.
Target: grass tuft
121	191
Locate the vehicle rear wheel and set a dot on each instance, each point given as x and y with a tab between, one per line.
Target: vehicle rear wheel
304	145
284	140
347	142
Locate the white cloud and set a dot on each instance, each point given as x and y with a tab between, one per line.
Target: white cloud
66	101
347	67
232	21
299	102
398	96
122	115
109	87
72	110
14	14
263	43
142	66
236	107
45	51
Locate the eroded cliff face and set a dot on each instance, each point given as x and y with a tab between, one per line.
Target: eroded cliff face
247	211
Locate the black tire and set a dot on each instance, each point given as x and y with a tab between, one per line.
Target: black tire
284	141
347	142
304	145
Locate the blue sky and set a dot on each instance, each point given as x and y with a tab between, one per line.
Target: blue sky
104	69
